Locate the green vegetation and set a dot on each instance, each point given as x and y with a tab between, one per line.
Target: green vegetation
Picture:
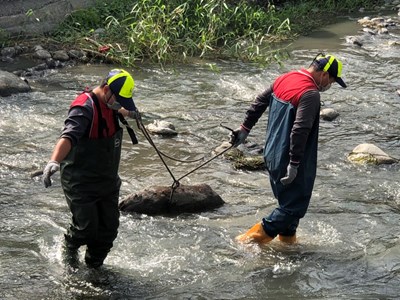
175	30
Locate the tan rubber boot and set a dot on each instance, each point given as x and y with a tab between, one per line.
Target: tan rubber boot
288	239
255	234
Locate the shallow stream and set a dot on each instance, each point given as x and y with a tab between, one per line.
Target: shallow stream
349	246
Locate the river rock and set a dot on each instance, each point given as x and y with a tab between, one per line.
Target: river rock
76	54
53	64
328	114
249	163
370	154
8	52
161	127
225	145
42	54
369	30
383	31
353	40
61	55
12	84
157	200
394	43
377	25
248	157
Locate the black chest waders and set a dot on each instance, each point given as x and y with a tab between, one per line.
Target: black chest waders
293	198
89	177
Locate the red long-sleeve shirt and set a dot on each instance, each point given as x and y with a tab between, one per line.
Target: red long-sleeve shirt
308	106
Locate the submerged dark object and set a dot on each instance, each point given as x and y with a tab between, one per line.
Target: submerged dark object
185	199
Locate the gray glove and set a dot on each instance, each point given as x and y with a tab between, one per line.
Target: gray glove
238	136
291	174
134	114
51	167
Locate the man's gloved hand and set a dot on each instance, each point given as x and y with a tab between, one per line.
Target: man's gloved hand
291	174
51	167
134	114
238	136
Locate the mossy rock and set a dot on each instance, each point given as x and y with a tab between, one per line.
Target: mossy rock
241	160
250	163
370	154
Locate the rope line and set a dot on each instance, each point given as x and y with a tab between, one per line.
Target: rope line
176	183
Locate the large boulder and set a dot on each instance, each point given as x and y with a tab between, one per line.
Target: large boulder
12	84
370	154
160	200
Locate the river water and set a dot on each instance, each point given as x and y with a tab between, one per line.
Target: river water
348	246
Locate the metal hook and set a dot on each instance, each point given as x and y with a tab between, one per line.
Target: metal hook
226	127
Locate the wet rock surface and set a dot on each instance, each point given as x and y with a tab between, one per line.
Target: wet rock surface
30	62
245	157
370	154
328	114
377	33
161	127
161	200
11	84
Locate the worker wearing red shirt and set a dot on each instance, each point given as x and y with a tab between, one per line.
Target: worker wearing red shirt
88	153
290	152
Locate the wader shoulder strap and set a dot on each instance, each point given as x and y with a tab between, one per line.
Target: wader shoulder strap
101	122
129	129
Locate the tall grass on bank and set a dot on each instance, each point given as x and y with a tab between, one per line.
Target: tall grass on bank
196	28
165	31
171	30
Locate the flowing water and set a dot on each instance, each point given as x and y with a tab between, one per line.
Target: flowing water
348	247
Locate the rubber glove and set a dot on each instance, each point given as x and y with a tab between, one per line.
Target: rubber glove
291	174
51	167
134	114
238	136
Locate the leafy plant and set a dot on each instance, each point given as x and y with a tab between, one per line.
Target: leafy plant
169	30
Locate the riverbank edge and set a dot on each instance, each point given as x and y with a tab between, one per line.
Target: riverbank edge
50	53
